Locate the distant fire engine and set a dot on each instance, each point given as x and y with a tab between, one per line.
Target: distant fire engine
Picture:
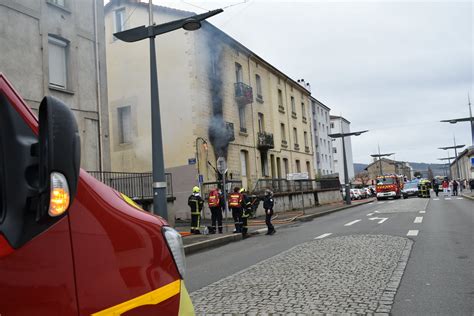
389	186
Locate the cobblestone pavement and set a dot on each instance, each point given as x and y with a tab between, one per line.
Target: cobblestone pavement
345	275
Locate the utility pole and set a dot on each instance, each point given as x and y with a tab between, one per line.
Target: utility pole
379	155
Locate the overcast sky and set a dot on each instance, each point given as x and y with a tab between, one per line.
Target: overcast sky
395	68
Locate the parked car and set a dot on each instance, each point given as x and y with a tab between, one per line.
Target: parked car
410	189
355	194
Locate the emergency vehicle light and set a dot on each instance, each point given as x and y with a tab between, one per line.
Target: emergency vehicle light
59	198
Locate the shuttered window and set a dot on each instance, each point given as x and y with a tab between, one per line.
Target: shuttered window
57	62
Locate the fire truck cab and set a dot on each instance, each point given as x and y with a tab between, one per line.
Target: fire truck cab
69	244
389	186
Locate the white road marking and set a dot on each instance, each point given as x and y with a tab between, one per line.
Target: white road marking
422	212
447	198
371	203
382	219
370	214
436	199
391	201
323	235
380	202
376	211
412	233
353	222
460	198
418	219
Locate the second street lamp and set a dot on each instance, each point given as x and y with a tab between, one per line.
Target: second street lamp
137	34
346	174
455	147
465	119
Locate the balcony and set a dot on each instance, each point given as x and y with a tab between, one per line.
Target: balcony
281	108
259	98
297	147
306	149
284	144
265	141
305	120
243	93
293	115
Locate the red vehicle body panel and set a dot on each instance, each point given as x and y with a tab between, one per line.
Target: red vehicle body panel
103	253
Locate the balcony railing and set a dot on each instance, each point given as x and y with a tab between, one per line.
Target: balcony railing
297	147
284	144
281	108
138	186
293	115
243	93
289	186
306	149
265	141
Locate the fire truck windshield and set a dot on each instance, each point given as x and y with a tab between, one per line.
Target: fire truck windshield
385	181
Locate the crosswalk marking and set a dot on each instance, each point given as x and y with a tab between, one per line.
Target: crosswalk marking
460	198
353	222
370	214
380	202
412	233
447	198
391	202
422	212
436	199
323	235
418	219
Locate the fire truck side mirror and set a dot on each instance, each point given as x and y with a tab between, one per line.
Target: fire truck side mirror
59	157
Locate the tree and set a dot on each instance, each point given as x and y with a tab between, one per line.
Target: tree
430	173
363	177
417	174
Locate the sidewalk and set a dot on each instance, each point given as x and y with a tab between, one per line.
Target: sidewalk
468	194
195	243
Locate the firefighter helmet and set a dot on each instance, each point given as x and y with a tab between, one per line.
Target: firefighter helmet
196	190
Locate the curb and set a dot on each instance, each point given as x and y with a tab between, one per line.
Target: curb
220	241
468	197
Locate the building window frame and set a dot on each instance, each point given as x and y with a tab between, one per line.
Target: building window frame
58	62
124	121
242	121
239	75
119	20
258	83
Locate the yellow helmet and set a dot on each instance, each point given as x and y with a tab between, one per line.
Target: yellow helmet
196	190
242	190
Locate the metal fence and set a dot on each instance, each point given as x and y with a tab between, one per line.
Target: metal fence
137	185
230	184
288	186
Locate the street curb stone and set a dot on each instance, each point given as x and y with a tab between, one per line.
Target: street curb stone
220	241
468	197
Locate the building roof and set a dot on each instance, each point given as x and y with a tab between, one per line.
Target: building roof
389	161
335	117
469	151
230	40
320	103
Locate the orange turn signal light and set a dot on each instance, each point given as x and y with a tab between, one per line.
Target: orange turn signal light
59	198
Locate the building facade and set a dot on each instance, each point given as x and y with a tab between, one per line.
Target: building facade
388	166
323	147
339	124
217	98
56	47
466	165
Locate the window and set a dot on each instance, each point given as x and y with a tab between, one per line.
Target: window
124	125
282	131
261	126
306	139
243	162
119	20
57	58
295	135
280	99
264	161
332	125
285	165
298	166
334	150
239	77
57	2
308	169
326	114
293	107
327	129
259	86
303	110
242	119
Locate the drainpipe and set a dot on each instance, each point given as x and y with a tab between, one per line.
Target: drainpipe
253	128
99	95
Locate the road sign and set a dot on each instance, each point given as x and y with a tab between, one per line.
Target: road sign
191	161
297	176
221	165
200	178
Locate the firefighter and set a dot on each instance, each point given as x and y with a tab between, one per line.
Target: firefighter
214	202
235	201
196	204
268	206
246	211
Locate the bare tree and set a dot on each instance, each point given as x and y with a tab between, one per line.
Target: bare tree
430	173
363	177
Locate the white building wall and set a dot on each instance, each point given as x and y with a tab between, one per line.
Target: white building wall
342	125
323	158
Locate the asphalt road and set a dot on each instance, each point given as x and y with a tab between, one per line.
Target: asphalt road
438	279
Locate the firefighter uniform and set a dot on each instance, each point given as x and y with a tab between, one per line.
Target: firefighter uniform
214	201
268	206
196	204
235	201
246	211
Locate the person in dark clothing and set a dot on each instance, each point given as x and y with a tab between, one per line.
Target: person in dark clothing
196	204
235	203
214	202
246	211
435	186
455	187
268	206
471	184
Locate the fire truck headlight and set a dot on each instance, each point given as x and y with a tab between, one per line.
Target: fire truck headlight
175	244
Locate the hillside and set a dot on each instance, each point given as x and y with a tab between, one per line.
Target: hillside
438	169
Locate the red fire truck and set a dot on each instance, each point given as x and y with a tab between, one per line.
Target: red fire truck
70	245
389	186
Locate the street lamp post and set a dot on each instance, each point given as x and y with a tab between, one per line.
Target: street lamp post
137	34
455	147
204	142
448	172
465	119
379	155
346	174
